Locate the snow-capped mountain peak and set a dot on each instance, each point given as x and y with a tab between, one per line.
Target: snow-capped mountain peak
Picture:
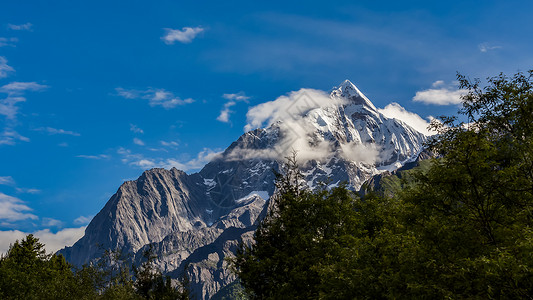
349	91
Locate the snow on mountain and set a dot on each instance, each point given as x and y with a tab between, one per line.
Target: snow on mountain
199	219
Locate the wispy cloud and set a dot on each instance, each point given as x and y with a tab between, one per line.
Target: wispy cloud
9	109
171	144
440	94
27	26
50	222
7	180
53	131
52	241
485	47
232	100
138	141
5	69
8	41
28	191
10	137
136	129
83	220
140	161
101	156
185	35
15	92
17	88
14	209
396	111
155	97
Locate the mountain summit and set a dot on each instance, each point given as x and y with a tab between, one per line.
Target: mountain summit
348	90
199	219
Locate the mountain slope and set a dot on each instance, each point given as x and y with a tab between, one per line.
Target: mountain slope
199	219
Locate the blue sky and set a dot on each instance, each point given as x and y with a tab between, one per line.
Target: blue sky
94	92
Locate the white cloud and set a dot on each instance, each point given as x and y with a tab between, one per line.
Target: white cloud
50	222
101	156
14	209
171	144
295	117
26	26
224	113
232	100
136	129
485	47
137	141
185	35
5	69
139	160
155	97
10	136
8	41
145	164
52	241
9	108
396	111
240	96
28	191
445	95
294	106
83	220
7	180
53	131
20	87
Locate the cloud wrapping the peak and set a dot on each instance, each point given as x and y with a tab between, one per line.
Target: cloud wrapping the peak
396	111
290	107
185	35
440	94
297	122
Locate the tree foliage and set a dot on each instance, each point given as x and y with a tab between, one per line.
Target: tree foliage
460	228
27	272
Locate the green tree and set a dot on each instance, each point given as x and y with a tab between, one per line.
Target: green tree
151	284
27	272
302	230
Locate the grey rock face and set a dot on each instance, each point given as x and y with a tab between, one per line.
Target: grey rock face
198	220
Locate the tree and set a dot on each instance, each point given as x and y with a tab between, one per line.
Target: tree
27	272
150	283
472	211
301	231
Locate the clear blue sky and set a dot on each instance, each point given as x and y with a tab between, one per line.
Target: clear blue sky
94	92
